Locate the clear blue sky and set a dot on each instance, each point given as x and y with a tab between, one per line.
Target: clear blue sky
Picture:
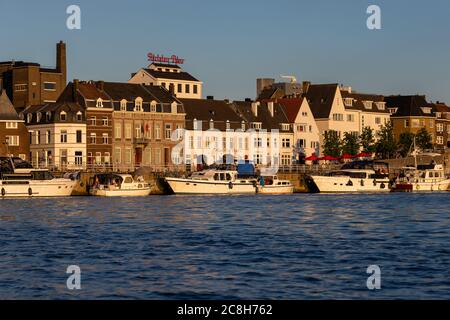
228	44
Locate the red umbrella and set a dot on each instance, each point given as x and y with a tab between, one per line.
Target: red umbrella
312	158
363	155
328	158
347	156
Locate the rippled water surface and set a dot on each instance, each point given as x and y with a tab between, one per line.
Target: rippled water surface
230	247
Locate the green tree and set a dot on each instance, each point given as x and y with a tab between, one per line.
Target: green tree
386	145
424	139
367	140
331	144
350	143
405	142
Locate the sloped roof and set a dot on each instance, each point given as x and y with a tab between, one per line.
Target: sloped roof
358	99
171	75
407	106
270	93
244	109
320	98
7	110
291	107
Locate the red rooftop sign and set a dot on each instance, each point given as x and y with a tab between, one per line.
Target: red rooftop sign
162	59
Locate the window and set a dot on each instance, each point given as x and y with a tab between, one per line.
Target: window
415	123
286	143
99	103
93	121
12	141
285	126
138	105
431	123
123	105
350	118
107	158
301	128
79	116
367	104
440	127
440	140
78	158
188	88
50	86
157	131
285	160
304	114
258	142
29	117
98	158
105	121
128	131
180	88
105	138
118	155
338	117
118	131
11	125
348	102
93	138
138	131
228	125
153	106
38	117
49	137
38	137
407	123
195	89
63	116
377	120
257	158
21	87
243	126
63	136
157	156
257	125
79	136
168	131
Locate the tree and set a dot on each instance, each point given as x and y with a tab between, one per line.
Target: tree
331	144
367	140
350	143
405	142
424	139
386	145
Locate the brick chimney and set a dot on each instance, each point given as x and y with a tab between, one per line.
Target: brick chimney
61	64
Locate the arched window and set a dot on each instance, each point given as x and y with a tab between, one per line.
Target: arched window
99	103
39	117
49	116
153	106
138	104
174	107
123	105
79	116
63	116
29	117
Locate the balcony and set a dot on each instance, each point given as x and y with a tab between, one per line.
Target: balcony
141	141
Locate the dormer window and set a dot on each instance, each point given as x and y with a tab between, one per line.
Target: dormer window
79	116
393	110
285	126
228	125
381	105
38	117
243	126
438	115
138	105
426	110
153	106
367	104
63	116
211	124
195	124
99	103
174	108
348	102
29	117
49	116
123	105
257	125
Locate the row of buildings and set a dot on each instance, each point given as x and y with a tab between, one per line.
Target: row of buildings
158	119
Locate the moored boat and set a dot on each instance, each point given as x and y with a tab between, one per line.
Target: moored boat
19	179
273	185
118	185
422	178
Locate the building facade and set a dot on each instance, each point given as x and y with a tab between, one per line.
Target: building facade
57	136
442	114
28	83
14	139
172	77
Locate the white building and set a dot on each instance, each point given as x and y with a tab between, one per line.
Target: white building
57	136
171	77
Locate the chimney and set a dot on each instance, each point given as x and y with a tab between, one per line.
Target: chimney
255	108
270	106
75	87
61	64
305	86
100	85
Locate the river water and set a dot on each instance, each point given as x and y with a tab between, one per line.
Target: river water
304	246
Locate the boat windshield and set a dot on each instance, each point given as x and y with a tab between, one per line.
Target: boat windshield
350	174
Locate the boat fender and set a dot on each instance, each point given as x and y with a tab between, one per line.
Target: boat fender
82	184
362	183
374	182
30	192
350	183
3	192
382	186
230	185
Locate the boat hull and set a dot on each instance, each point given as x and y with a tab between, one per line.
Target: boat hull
276	189
120	193
37	188
325	184
187	186
429	186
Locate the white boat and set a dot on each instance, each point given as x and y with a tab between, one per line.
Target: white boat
19	179
273	185
119	185
213	181
353	177
422	178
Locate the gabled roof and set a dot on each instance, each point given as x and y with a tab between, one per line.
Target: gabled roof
171	75
358	99
205	110
7	110
320	98
291	107
408	106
